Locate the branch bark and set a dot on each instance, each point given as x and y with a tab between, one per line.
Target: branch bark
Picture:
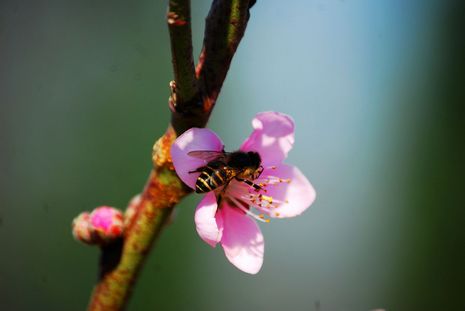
225	26
195	95
179	25
161	193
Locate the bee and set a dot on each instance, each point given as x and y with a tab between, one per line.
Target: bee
222	167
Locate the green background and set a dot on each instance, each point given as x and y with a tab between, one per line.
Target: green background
376	89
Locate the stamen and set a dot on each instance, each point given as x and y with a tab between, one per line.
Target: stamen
267	198
261	201
272	180
247	211
246	197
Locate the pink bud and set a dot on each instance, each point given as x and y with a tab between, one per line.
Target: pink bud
107	223
82	230
103	225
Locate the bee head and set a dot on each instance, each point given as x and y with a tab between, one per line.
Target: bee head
255	159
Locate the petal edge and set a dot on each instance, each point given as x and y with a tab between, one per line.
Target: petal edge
272	137
297	195
207	224
242	240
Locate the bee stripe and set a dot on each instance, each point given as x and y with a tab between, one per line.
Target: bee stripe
199	188
203	175
218	175
208	170
205	184
213	180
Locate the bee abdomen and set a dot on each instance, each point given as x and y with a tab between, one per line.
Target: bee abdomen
210	179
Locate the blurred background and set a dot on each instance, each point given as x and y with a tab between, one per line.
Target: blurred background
376	89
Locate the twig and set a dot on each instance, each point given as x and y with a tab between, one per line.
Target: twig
224	29
191	106
179	25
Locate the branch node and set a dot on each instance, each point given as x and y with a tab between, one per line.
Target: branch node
174	19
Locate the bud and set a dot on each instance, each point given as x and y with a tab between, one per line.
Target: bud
107	223
102	226
81	228
131	210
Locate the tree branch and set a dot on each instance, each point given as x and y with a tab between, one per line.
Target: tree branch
191	106
179	25
225	27
185	101
162	191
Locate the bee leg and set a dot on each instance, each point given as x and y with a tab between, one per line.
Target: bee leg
259	172
225	186
251	184
219	199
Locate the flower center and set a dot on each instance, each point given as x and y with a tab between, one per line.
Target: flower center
246	197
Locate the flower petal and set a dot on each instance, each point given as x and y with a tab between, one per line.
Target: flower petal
242	240
272	138
192	140
296	196
209	229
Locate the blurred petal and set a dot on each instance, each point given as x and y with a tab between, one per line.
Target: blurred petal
272	138
296	196
209	229
191	140
242	240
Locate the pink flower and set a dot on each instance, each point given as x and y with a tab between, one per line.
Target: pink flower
280	190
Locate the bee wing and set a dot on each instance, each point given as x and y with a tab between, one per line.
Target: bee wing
207	155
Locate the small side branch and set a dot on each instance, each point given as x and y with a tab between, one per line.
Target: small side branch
184	102
225	27
179	25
